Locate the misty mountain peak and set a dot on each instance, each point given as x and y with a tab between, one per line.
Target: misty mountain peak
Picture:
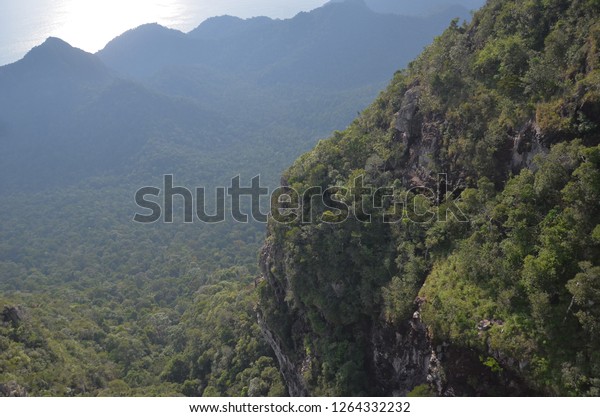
55	57
149	44
154	28
149	32
51	47
54	42
343	9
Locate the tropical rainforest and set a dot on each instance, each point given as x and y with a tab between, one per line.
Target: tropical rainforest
93	303
479	273
495	292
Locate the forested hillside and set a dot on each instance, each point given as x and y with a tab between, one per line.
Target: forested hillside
485	283
472	269
92	303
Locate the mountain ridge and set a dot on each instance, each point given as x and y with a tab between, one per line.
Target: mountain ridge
250	47
57	56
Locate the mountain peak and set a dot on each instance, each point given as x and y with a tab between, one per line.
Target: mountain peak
143	48
339	8
51	46
149	32
154	28
56	58
53	41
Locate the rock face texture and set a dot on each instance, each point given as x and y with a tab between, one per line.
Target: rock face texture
401	357
422	138
345	305
12	315
12	389
291	375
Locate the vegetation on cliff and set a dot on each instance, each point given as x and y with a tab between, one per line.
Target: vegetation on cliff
508	107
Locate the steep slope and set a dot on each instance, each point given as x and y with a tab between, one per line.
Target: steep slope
107	306
481	281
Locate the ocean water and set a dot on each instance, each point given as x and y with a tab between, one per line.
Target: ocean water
90	24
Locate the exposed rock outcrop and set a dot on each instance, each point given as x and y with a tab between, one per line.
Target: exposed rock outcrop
291	375
475	109
12	389
12	315
400	357
526	145
422	138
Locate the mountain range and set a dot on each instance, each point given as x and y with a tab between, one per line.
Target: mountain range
72	115
97	304
454	251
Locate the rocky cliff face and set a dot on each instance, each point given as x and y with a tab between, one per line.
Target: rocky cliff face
12	315
422	137
450	307
400	357
292	374
12	389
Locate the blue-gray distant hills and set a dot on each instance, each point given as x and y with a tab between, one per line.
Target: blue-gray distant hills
65	116
232	96
417	8
339	45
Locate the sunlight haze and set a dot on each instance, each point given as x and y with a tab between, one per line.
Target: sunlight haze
90	24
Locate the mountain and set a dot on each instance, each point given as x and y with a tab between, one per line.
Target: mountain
145	49
98	304
454	250
223	27
454	246
57	58
420	8
339	45
65	117
72	115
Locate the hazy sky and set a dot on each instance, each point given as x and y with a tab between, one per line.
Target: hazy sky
90	24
